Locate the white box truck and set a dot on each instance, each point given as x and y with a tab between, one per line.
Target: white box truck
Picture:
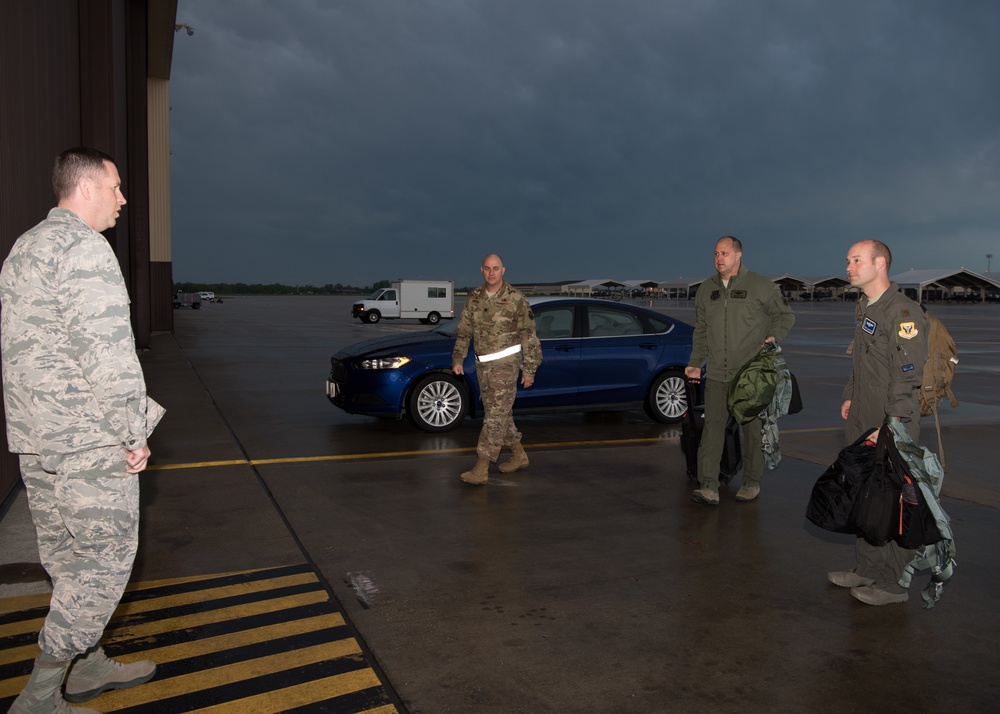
426	300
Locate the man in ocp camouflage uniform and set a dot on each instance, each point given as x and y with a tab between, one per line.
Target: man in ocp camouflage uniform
78	417
499	319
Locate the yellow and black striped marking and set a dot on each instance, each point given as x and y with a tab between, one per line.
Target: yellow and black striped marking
257	641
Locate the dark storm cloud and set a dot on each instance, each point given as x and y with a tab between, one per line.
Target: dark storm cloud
318	142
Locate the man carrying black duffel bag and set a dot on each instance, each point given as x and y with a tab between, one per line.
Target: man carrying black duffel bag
888	353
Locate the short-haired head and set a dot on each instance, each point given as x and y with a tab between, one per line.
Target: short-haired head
881	250
737	244
74	164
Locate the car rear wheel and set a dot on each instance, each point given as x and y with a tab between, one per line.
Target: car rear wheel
666	401
438	403
372	317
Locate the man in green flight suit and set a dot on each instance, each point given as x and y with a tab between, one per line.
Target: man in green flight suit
736	312
888	355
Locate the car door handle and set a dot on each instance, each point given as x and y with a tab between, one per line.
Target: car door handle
565	348
648	346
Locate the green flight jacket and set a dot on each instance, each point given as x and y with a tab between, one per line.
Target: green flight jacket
888	353
732	323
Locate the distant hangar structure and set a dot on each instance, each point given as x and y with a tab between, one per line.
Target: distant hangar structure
958	284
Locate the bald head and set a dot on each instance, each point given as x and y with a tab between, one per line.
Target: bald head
868	263
493	271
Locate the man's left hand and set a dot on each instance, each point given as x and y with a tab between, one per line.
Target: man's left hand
527	380
137	460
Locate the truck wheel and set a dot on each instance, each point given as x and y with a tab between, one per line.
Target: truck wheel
372	317
195	305
438	403
434	318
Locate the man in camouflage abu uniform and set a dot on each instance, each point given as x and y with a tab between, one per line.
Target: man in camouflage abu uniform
78	417
888	355
500	320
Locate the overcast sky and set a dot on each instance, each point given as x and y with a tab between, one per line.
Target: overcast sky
323	141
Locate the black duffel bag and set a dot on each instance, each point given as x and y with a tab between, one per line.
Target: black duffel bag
876	510
831	505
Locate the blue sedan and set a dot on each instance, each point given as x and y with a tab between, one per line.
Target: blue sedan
597	356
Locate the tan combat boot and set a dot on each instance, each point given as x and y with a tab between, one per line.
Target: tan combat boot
479	474
94	672
518	460
43	692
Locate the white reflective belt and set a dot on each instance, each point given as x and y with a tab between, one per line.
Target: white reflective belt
512	350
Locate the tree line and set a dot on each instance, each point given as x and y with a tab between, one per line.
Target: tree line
279	288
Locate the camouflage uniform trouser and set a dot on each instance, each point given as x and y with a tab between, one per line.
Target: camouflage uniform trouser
498	387
86	513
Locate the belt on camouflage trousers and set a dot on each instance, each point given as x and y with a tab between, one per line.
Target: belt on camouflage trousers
512	350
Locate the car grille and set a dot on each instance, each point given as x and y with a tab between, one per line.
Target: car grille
338	371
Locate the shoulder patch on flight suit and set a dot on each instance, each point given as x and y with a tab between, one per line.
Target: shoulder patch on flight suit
907	330
739	294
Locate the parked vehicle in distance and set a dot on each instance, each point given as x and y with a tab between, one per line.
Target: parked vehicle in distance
207	296
192	300
597	356
424	300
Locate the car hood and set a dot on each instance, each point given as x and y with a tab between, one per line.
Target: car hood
420	341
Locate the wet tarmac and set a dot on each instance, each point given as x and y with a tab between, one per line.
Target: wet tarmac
588	583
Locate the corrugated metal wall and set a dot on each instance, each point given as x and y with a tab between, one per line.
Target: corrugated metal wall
161	283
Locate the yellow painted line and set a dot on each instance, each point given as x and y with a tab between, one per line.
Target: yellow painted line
301	694
196	465
23	602
470	449
256	586
219	643
228	674
132	632
20	628
149	584
207	645
137	606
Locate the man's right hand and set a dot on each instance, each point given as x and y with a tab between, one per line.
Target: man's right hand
457	369
693	373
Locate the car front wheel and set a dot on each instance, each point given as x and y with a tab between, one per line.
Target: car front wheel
666	401
438	403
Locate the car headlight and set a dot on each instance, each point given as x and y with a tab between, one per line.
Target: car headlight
383	363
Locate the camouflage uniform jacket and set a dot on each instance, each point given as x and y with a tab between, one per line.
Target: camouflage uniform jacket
71	377
496	323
